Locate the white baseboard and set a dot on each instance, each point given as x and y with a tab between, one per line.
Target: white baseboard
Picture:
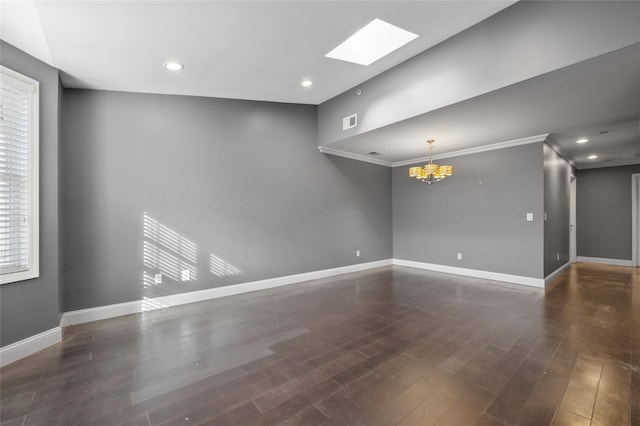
149	304
604	261
101	312
555	274
30	345
40	341
476	273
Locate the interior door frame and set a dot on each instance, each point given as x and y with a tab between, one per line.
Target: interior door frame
635	198
573	216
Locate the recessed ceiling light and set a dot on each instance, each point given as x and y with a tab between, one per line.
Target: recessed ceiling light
173	66
592	157
306	83
582	140
375	40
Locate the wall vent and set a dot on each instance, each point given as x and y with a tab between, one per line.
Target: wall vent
350	122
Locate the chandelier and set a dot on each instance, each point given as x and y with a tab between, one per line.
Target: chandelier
430	173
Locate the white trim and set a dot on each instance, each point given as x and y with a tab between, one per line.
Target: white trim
573	219
33	87
612	163
467	151
100	312
137	306
476	273
555	274
604	261
476	150
353	156
30	345
553	144
27	84
635	191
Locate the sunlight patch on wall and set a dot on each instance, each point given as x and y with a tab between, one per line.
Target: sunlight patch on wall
169	239
166	251
222	268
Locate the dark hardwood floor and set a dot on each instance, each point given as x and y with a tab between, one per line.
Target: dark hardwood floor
388	346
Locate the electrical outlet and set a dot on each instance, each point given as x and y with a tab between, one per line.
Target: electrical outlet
459	256
357	253
186	275
529	217
158	279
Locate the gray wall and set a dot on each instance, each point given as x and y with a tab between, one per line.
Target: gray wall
480	212
60	199
557	180
604	212
239	180
537	36
31	307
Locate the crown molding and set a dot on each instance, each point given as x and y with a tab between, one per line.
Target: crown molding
491	147
476	150
553	144
612	163
352	156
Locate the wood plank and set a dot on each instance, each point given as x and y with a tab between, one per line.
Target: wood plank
443	350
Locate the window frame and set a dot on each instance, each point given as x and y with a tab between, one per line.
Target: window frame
33	87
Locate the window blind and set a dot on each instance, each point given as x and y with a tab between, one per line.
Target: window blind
18	175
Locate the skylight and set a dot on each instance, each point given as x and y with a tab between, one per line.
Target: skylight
375	40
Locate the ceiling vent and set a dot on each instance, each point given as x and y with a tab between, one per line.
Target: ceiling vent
350	122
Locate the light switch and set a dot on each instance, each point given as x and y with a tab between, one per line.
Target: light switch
529	217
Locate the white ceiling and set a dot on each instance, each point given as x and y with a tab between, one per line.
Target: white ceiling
598	95
259	50
262	50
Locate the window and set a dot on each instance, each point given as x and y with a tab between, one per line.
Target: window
18	177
